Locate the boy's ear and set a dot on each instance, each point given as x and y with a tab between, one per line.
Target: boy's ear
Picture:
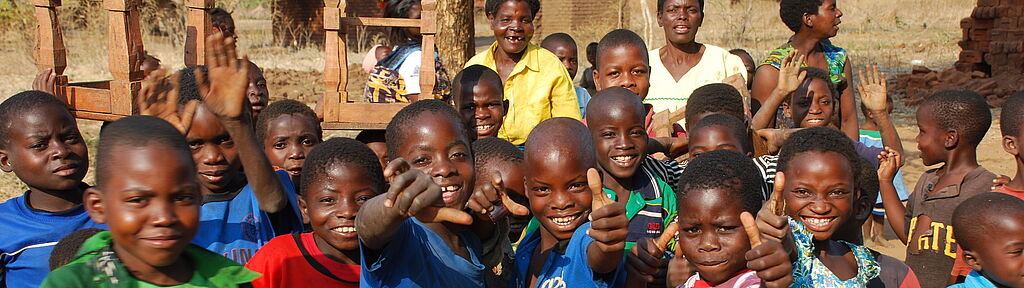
597	78
972	260
951	139
1009	144
504	109
5	162
302	210
862	208
93	201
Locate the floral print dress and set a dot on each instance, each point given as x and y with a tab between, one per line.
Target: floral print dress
809	272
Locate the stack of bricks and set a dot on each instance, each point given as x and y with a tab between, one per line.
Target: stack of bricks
991	62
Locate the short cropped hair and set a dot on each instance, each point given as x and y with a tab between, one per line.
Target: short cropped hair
491	150
371	136
715	98
964	111
286	107
21	104
558	38
188	90
562	135
136	131
979	216
220	17
408	117
1013	114
792	12
726	170
474	74
491	6
337	151
661	6
618	38
736	127
818	139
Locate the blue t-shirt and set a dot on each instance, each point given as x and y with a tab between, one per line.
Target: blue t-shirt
566	265
28	238
975	280
418	257
583	97
874	139
232	224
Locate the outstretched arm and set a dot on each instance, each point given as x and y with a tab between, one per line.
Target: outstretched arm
847	106
873	94
789	80
889	161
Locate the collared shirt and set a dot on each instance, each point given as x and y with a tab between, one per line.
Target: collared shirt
539	88
650	208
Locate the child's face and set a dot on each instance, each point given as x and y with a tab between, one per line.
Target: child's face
439	150
623	66
150	204
381	150
331	203
512	177
813	106
620	140
931	139
713	138
568	55
288	139
557	189
820	192
45	150
681	19
257	91
482	108
711	234
1001	256
214	153
827	20
513	26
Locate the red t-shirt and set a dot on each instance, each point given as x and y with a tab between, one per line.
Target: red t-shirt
960	267
284	263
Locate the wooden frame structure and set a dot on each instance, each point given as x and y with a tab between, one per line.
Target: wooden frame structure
340	112
198	26
98	100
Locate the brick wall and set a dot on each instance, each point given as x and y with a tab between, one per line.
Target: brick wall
993	38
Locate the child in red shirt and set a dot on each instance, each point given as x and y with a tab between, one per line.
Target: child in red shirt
339	175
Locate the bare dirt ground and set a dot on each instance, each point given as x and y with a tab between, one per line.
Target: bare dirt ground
886	33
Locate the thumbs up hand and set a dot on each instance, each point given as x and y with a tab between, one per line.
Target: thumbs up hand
770	220
608	218
491	199
766	256
644	258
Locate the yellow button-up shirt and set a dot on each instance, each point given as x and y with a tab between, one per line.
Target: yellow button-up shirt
539	88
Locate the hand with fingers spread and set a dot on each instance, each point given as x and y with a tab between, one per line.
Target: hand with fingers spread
766	257
490	199
873	90
644	259
413	193
46	81
608	227
158	97
790	76
228	79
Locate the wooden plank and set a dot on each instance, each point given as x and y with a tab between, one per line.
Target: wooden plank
197	28
96	115
125	49
353	126
204	4
118	5
332	18
122	94
49	51
88	99
46	3
368	112
379	22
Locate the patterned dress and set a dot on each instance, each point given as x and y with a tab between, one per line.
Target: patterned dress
809	272
834	56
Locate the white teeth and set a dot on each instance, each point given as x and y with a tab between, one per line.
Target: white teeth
449	188
818	221
483	127
623	158
564	220
346	229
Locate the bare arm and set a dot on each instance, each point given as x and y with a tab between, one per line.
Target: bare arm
765	80
226	97
672	146
890	162
847	106
873	94
789	79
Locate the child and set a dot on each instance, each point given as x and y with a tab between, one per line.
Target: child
497	157
1010	122
564	47
41	144
718	189
892	272
375	140
808	95
952	124
416	233
563	188
287	131
478	96
871	136
341	175
222	22
748	62
257	91
714	98
720	132
617	130
537	85
146	191
818	169
990	229
588	74
241	211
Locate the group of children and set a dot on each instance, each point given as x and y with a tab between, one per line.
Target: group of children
211	186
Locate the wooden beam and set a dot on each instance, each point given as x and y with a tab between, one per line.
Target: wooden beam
378	22
198	26
428	29
50	52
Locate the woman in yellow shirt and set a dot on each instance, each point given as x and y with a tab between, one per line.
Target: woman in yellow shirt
536	84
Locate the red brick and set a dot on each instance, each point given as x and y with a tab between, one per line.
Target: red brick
971	56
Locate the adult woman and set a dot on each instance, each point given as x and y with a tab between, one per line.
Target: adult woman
684	64
813	22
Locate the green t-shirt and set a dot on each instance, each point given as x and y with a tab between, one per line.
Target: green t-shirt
96	265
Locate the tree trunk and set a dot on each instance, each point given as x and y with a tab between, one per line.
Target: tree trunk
455	33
